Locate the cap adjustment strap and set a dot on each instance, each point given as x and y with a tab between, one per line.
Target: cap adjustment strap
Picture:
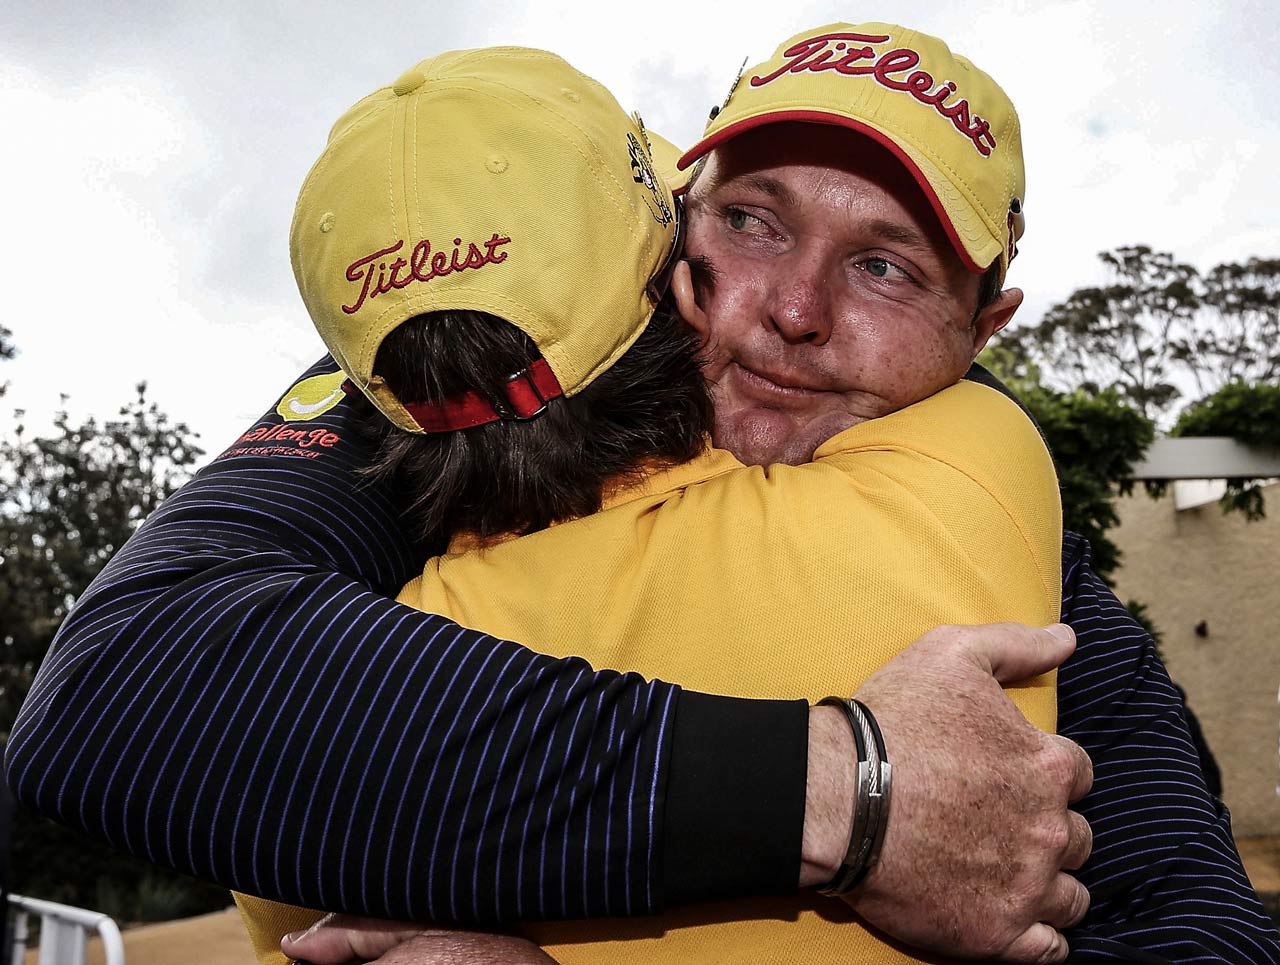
527	394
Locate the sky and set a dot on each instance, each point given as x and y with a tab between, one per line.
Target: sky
151	154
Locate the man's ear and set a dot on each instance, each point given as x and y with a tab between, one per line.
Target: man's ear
995	317
682	289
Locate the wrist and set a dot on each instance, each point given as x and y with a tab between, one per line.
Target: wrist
873	790
829	789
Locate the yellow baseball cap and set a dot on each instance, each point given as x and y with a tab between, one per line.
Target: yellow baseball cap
947	121
498	180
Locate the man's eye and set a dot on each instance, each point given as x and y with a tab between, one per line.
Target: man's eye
883	268
739	220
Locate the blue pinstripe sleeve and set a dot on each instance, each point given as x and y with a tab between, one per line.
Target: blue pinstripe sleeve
1166	879
234	696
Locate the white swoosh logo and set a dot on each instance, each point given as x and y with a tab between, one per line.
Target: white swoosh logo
302	408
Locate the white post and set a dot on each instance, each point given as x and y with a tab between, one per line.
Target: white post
62	932
18	938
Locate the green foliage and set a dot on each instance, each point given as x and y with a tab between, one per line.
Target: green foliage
1094	437
68	501
53	862
1247	413
1008	358
1095	440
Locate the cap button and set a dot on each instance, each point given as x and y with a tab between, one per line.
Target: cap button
408	82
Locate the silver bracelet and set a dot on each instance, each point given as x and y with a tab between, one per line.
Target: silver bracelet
870	799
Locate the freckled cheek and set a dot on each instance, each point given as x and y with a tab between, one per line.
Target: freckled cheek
891	361
921	370
735	304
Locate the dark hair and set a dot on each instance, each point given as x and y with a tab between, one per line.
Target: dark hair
650	408
988	287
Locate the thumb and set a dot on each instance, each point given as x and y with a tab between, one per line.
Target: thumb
319	943
337	939
1012	652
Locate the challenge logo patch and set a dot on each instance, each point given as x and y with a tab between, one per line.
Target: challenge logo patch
312	397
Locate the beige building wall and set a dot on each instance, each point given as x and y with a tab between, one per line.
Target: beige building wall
1195	565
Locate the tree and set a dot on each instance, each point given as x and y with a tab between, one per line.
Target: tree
1237	331
68	501
1129	335
1248	413
1094	438
1160	333
6	352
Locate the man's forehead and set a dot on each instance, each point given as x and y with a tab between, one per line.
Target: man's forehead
766	156
783	161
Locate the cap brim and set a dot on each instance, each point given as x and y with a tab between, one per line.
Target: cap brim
965	228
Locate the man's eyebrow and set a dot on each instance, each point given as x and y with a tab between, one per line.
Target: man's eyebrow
898	232
762	183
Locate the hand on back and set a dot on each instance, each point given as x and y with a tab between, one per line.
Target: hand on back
980	834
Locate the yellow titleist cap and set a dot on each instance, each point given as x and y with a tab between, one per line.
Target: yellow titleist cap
946	120
498	180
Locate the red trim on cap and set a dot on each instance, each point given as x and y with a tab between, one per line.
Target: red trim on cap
708	144
528	392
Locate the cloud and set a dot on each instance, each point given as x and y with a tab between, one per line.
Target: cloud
93	249
153	154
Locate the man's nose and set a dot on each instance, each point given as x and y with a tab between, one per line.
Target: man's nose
800	307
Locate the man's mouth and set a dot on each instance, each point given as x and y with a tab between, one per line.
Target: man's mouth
767	385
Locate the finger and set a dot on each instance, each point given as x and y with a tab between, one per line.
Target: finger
1068	902
1039	943
329	948
1012	652
1079	844
336	939
1082	779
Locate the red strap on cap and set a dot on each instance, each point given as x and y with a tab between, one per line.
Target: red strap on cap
527	392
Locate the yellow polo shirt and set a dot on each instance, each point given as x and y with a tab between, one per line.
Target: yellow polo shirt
786	582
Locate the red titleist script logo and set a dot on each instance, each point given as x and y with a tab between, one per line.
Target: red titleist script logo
421	266
845	52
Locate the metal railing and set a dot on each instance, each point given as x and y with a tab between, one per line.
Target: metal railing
63	932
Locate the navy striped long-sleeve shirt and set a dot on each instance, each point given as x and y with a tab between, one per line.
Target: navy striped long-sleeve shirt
235	696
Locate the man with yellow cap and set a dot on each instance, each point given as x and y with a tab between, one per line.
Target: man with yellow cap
768	391
488	145
919	128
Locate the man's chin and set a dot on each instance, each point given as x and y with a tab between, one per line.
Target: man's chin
763	437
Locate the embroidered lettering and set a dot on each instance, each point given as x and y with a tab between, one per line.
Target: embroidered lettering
820	53
283	433
376	277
